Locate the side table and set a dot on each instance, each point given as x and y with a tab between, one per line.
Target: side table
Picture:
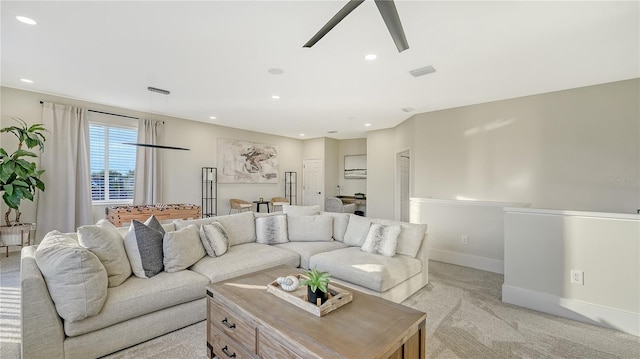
259	203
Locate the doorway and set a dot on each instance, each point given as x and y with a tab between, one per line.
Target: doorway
403	185
312	182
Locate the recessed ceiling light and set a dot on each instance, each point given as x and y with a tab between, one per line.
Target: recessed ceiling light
367	125
275	97
371	57
27	81
276	71
302	135
26	20
212	117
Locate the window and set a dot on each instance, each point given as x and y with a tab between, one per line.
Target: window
112	162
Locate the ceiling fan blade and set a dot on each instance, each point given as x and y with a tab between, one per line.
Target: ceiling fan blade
349	7
390	16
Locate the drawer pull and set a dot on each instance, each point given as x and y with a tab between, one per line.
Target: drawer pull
225	350
225	322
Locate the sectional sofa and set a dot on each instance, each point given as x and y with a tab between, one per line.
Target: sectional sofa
113	309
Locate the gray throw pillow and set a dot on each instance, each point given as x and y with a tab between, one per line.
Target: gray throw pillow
104	240
382	239
75	277
272	229
182	248
143	243
214	239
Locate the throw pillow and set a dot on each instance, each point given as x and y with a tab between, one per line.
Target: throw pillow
382	239
75	277
357	230
182	248
143	243
310	228
410	238
241	227
104	240
272	229
214	239
340	223
300	210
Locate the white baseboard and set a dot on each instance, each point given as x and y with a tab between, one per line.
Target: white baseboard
623	321
467	260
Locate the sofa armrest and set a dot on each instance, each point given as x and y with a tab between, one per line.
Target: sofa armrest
42	329
423	256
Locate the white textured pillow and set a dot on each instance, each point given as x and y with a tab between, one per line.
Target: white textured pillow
310	228
214	239
272	229
382	239
357	230
182	248
300	210
75	277
104	240
410	237
240	227
143	243
340	223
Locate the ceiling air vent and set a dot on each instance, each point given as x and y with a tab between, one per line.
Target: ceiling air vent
422	71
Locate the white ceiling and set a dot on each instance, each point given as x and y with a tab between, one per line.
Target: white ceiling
214	57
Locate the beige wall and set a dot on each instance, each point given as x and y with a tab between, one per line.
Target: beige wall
577	149
356	146
182	169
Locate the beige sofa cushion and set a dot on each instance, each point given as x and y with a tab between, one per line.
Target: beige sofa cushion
138	296
182	248
292	210
308	249
244	259
310	228
241	227
372	271
75	277
340	223
357	230
183	223
104	240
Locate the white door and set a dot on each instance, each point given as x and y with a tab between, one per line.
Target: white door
312	185
403	172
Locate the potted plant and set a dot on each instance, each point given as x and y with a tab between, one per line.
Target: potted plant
317	285
20	178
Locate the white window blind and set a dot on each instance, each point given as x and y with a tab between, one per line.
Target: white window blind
112	162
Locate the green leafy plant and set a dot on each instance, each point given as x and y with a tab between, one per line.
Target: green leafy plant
20	178
317	280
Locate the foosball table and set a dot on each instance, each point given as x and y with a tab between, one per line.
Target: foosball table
119	215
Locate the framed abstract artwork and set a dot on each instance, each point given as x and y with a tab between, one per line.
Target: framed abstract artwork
247	162
355	167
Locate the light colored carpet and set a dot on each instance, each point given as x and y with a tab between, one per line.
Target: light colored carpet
465	319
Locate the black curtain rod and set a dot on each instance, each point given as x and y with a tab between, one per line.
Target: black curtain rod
108	113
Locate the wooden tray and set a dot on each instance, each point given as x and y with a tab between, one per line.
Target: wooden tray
337	297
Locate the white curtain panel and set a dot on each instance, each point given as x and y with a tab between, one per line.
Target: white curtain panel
66	202
148	176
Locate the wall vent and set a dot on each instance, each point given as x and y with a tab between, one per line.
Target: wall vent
422	71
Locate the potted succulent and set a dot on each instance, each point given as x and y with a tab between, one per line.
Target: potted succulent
19	177
317	285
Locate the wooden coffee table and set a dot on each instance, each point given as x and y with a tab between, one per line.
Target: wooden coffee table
245	321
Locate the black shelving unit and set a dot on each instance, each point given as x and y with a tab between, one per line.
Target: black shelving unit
291	187
209	191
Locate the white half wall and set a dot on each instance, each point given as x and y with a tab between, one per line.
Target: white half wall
543	246
482	223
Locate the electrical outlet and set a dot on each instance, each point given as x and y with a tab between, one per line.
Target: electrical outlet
577	277
464	240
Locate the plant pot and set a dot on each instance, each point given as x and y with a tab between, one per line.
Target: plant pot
14	235
313	296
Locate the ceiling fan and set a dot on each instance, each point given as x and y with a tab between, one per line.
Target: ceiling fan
389	14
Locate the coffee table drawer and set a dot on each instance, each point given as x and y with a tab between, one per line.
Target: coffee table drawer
271	348
241	330
224	347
